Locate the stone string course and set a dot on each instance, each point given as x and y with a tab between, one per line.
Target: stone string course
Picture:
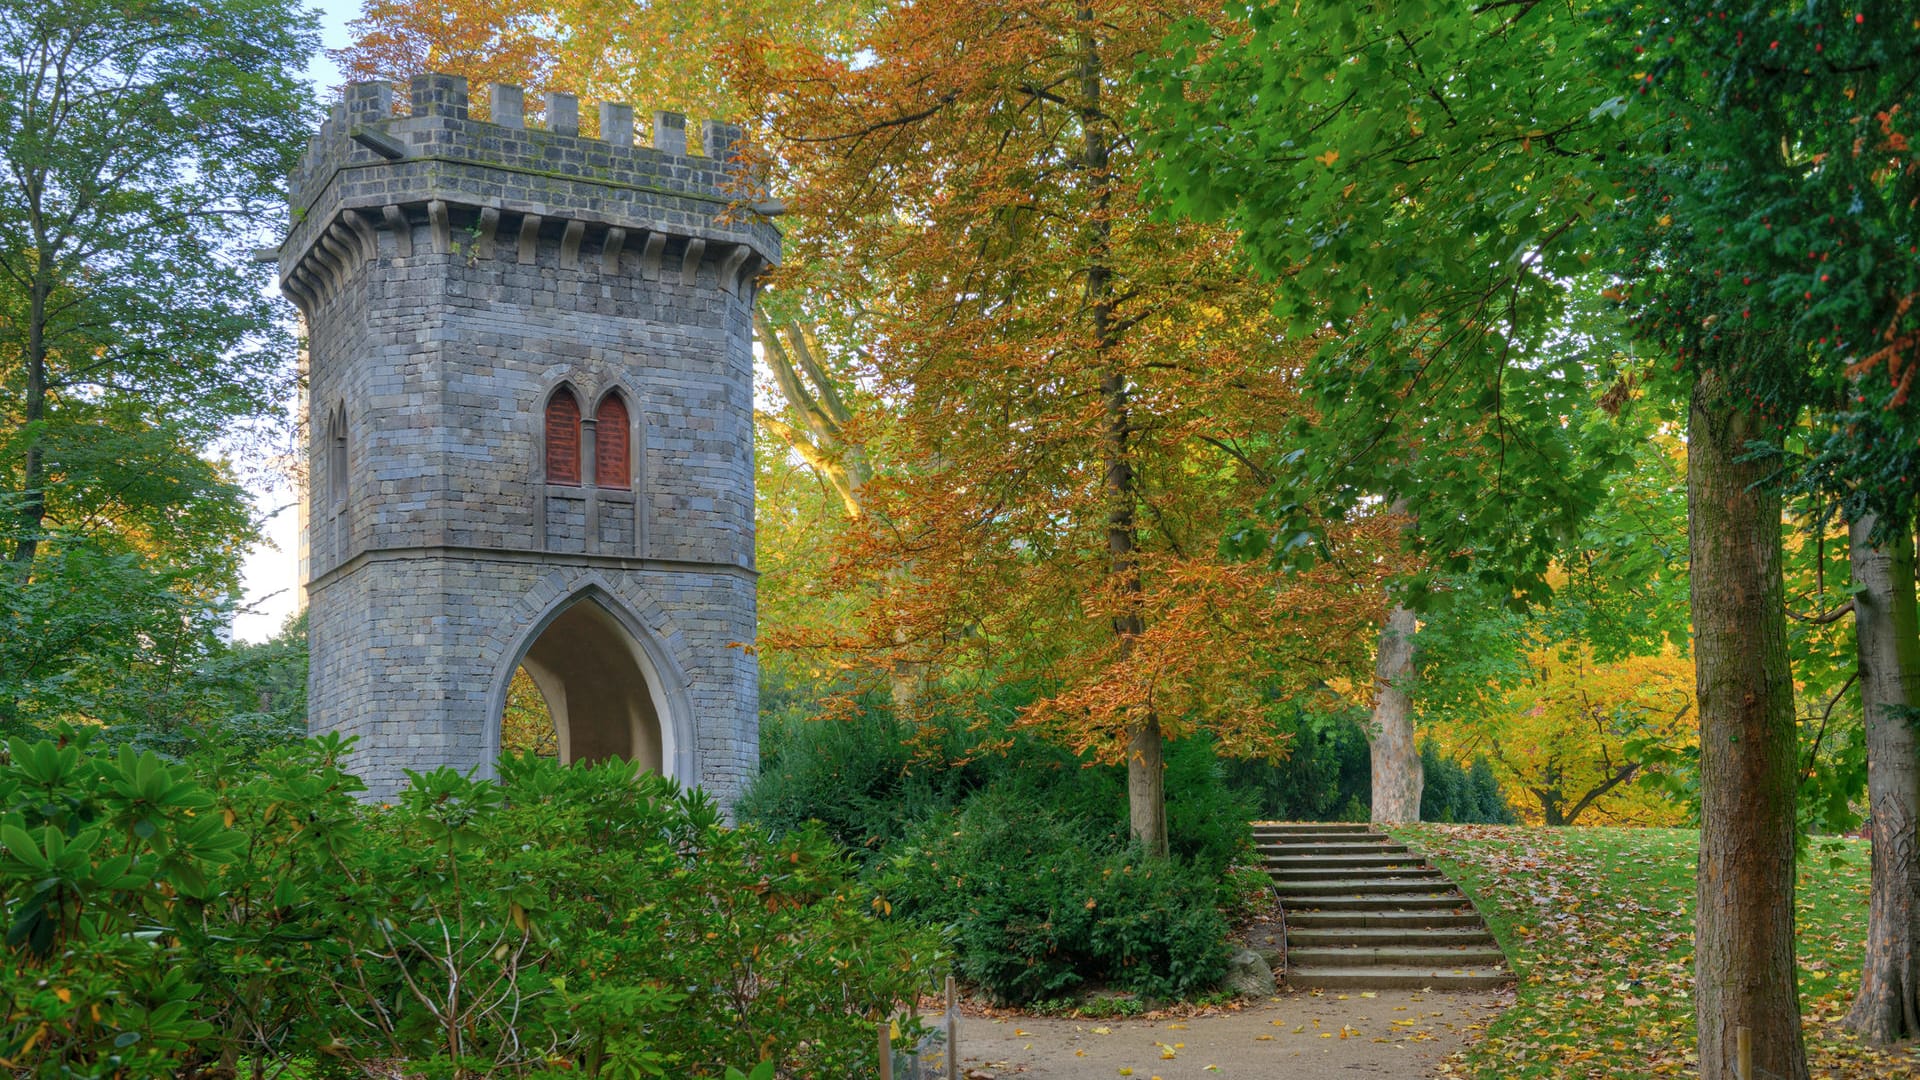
453	274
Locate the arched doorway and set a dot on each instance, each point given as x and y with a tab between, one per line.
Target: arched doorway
598	688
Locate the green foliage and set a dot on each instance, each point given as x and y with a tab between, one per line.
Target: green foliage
1018	848
100	855
145	145
870	778
1466	796
1326	776
1040	903
1794	222
580	917
1400	200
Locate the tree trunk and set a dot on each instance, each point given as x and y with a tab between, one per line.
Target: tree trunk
33	502
1146	759
1147	787
1888	1006
1397	773
1744	974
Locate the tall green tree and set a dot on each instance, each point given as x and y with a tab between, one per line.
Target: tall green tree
1457	171
145	146
1780	224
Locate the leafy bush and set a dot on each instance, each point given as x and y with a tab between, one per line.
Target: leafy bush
1327	776
1039	903
1018	848
579	918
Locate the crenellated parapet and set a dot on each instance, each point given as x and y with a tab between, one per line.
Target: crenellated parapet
378	183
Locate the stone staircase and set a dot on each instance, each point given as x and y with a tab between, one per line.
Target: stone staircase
1362	912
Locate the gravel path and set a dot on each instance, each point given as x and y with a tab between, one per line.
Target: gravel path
1299	1035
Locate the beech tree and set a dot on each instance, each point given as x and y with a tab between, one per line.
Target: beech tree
1080	390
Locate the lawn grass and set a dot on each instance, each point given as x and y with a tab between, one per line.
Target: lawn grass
1598	925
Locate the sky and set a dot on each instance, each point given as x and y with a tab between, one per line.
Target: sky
270	575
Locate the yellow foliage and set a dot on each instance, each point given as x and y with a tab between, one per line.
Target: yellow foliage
1563	743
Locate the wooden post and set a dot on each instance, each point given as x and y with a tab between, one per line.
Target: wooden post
1743	1053
953	1032
886	1051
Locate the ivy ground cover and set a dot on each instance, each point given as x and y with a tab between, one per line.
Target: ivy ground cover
1598	924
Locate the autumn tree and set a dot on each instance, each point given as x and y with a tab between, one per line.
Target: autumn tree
1575	735
1082	392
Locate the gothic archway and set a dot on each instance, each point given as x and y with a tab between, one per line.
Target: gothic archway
610	693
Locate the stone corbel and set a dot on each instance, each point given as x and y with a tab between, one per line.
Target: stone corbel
570	244
308	284
341	259
730	267
442	227
489	224
529	238
402	230
690	261
298	292
363	231
610	249
656	246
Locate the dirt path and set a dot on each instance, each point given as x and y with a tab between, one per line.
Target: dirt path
1298	1035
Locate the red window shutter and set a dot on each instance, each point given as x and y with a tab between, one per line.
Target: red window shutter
611	464
563	438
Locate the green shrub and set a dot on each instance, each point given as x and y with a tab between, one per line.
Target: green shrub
1018	849
577	918
101	855
1462	796
1326	776
1039	903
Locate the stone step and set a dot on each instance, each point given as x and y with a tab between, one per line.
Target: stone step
1307	937
1350	879
1330	848
1311	826
1397	978
1321	837
1442	958
1378	885
1447	899
1345	862
1411	918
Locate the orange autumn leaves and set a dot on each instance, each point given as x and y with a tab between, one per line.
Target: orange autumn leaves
965	211
1081	399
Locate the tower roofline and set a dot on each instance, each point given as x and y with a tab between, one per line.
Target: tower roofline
371	168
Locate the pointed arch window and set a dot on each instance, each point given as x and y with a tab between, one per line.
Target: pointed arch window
612	454
563	438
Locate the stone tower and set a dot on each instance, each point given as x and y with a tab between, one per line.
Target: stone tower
530	411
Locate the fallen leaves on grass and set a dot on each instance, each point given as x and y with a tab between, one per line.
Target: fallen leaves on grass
1598	924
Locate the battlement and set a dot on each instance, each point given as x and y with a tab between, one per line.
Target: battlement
373	170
